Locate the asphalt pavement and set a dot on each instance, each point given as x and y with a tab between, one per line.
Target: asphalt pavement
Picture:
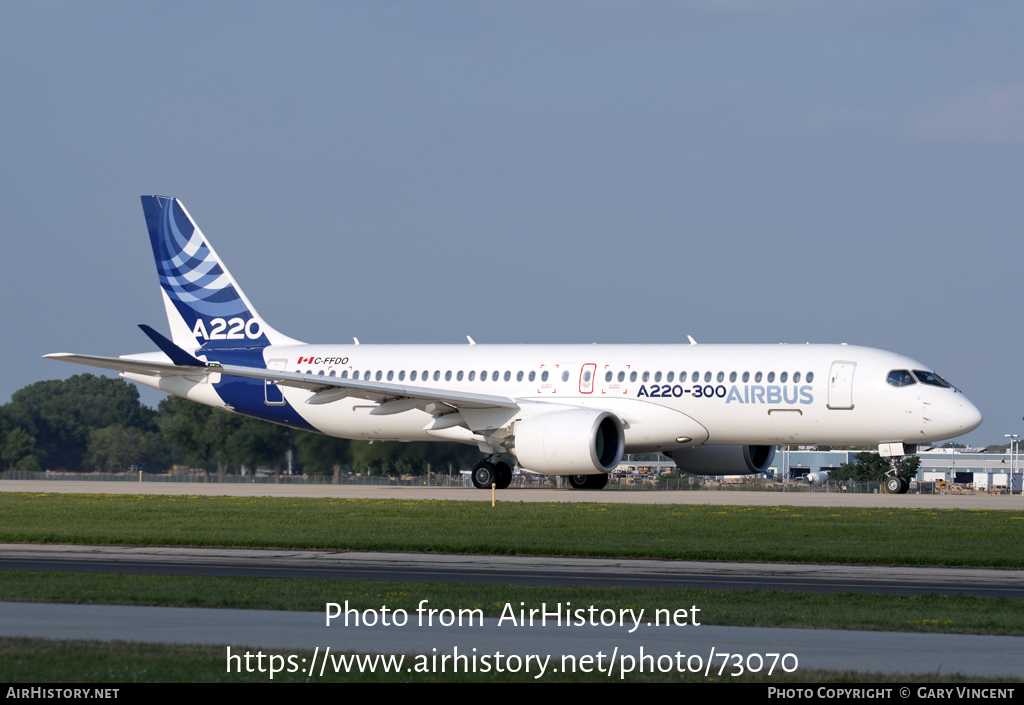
605	496
515	570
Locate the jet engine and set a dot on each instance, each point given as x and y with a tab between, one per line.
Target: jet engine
571	442
723	460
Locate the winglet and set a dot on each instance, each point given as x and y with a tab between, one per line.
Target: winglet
471	341
692	341
177	355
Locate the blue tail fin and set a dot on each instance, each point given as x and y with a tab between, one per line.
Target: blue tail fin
205	306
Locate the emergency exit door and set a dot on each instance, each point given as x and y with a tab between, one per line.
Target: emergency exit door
587	374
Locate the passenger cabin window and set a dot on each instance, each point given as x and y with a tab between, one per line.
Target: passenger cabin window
670	376
796	378
494	376
412	376
391	375
695	376
931	378
320	373
344	374
426	375
757	377
533	375
586	376
448	376
331	373
632	376
622	376
565	376
771	377
721	377
379	375
519	376
900	378
707	376
472	375
657	376
355	375
810	377
401	376
647	376
608	376
483	376
746	376
732	376
508	376
437	375
783	377
544	376
459	376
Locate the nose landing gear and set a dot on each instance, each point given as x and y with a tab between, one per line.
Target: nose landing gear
894	484
487	472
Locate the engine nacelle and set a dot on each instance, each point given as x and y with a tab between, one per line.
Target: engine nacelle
571	442
723	460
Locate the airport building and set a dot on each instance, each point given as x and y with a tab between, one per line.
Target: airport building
982	471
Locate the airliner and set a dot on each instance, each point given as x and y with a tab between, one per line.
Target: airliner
570	410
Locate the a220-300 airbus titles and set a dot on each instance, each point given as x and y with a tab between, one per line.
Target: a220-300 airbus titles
559	409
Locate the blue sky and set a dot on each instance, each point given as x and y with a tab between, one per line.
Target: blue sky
528	172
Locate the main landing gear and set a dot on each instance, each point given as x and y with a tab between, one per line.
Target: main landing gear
588	482
486	473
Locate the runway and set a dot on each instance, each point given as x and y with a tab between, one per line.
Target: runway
717	498
286	632
515	570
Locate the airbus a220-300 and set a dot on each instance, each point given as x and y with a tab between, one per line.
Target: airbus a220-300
569	410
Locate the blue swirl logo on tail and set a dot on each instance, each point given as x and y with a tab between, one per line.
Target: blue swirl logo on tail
203	293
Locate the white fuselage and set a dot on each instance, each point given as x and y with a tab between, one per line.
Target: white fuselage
841	396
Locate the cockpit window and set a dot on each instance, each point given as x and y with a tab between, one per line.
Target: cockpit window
901	378
931	378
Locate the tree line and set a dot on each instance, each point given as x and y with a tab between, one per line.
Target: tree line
89	423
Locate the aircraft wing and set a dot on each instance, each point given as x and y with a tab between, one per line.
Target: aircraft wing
119	364
397	397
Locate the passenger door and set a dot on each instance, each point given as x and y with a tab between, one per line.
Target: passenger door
840	385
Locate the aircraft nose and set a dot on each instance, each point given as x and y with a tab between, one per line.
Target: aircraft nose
968	416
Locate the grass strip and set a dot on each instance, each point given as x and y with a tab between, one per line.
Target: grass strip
44	661
770	608
952	537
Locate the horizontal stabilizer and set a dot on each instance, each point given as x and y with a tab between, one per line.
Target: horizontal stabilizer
177	355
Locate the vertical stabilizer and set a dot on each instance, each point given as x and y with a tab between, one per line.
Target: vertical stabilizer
205	306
